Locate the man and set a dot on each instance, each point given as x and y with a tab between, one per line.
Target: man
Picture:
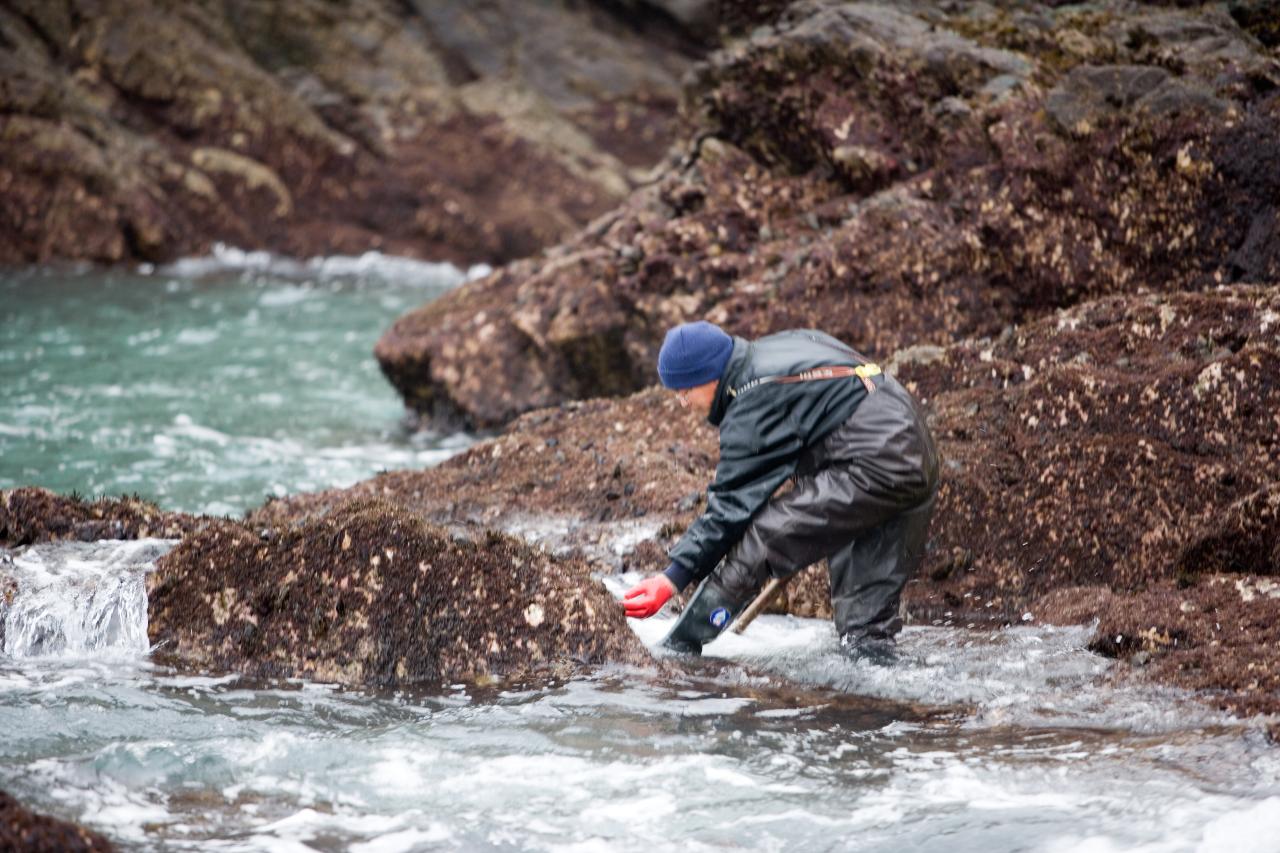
800	405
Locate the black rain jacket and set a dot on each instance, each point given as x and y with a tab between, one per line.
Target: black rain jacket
764	431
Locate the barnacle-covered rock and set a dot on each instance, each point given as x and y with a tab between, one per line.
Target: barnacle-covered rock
370	595
29	515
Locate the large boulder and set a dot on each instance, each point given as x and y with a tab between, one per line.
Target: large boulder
1111	443
370	595
136	130
895	177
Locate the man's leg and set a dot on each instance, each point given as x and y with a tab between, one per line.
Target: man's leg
867	577
815	519
711	609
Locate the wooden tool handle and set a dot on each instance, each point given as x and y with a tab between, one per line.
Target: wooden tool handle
770	591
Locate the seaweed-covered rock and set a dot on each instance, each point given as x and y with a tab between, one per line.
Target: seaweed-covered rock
577	476
368	594
1218	637
24	831
1103	444
138	130
897	178
29	515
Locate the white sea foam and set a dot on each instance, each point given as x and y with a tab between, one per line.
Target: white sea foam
208	763
1031	675
224	258
78	598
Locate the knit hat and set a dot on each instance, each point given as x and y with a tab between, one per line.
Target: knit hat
693	354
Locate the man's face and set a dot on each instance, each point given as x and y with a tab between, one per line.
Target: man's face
699	397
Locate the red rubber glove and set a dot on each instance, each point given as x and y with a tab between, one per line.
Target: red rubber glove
647	597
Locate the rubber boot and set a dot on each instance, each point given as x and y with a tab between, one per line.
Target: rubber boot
878	650
708	613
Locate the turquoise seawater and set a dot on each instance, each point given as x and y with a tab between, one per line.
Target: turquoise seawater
209	384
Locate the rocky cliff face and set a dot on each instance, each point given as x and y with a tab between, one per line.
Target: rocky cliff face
135	130
894	175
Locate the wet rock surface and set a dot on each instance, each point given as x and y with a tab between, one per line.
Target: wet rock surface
30	515
370	595
24	831
895	177
592	476
1107	459
135	130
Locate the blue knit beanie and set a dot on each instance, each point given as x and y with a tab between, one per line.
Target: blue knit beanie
692	354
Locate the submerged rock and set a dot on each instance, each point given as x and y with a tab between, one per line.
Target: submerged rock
896	178
370	595
24	831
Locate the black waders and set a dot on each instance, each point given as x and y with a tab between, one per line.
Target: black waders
708	613
862	499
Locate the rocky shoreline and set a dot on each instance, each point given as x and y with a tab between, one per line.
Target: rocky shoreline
1114	462
1056	225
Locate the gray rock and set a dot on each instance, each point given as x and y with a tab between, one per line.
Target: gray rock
1176	96
1091	92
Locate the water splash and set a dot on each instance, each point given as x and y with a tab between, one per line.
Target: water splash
223	258
729	753
78	598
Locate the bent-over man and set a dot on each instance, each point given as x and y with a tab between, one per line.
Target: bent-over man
800	405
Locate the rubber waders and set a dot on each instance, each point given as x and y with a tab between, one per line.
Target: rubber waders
707	614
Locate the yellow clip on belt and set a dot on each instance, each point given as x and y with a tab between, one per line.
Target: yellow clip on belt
865	372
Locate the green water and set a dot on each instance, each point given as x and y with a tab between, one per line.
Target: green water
210	384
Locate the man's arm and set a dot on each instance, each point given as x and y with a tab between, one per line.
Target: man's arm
759	449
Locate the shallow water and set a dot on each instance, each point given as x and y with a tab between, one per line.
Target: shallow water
210	384
765	745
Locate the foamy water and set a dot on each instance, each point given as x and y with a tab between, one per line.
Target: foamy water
994	741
